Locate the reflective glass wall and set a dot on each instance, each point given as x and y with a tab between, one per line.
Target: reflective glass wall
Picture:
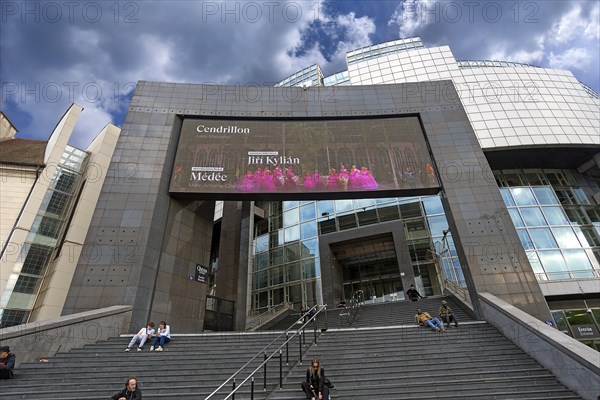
44	238
286	265
558	227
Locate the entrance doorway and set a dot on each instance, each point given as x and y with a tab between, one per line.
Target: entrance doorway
370	265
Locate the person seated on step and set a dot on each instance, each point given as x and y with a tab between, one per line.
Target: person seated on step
446	314
130	392
423	318
7	363
342	303
413	294
143	335
314	386
163	336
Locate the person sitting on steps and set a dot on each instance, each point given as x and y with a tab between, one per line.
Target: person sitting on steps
447	315
314	386
7	363
413	294
163	336
423	318
130	392
143	335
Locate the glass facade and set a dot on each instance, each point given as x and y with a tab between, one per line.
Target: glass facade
44	239
558	227
286	264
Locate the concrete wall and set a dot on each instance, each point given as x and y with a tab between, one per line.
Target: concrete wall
36	340
576	365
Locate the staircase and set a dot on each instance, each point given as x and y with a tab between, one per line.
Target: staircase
384	356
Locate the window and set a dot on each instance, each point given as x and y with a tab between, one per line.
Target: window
545	195
542	238
554	264
555	216
565	237
516	217
307	212
533	216
523	196
308	230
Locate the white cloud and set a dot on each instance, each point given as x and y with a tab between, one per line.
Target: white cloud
574	24
410	18
504	51
577	58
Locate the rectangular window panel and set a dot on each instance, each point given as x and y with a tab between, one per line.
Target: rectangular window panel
308	230
324	208
347	221
36	259
291	217
310	248
294	272
260	279
542	238
554	264
261	262
525	239
388	213
411	210
555	216
516	217
565	237
276	275
261	244
308	212
367	217
506	196
523	196
327	226
533	216
578	262
292	233
277	256
545	195
26	284
292	252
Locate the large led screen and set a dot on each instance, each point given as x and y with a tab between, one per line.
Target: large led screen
301	156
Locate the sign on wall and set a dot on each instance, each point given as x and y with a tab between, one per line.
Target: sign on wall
301	156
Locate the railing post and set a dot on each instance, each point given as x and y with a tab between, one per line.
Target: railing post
252	389
287	349
300	346
315	330
280	369
265	373
303	335
233	397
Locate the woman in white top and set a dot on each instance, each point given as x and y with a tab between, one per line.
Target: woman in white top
143	335
163	336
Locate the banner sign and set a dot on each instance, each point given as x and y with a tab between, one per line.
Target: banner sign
309	156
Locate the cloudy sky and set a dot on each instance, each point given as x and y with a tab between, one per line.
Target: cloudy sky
53	53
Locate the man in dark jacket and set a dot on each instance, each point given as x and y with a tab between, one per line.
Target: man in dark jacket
7	363
130	392
413	294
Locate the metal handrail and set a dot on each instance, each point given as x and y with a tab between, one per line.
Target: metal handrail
232	377
256	320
